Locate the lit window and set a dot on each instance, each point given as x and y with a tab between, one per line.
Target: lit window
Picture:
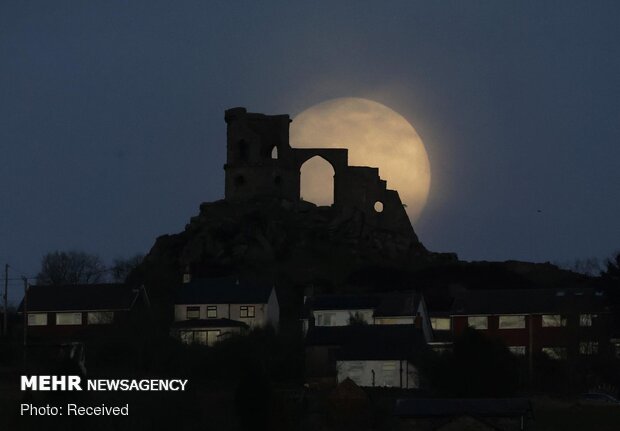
511	322
517	350
246	311
585	320
389	373
212	337
68	318
100	317
324	319
556	353
37	319
478	322
553	321
187	337
588	348
192	313
355	371
212	311
440	323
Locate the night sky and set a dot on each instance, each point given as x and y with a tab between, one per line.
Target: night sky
112	129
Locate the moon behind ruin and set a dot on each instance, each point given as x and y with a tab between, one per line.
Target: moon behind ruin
376	136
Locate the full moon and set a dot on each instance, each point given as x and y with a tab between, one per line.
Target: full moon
375	136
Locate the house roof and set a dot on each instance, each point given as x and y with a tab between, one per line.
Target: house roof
383	304
398	304
223	290
208	323
455	407
81	297
344	302
369	342
515	301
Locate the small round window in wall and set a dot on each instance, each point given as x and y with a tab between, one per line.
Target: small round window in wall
379	206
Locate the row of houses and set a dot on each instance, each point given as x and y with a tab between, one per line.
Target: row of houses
205	310
373	339
347	335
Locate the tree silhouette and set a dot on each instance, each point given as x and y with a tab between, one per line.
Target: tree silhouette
70	267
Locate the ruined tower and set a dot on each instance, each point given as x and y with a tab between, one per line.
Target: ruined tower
261	164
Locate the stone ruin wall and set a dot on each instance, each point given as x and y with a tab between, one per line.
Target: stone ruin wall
252	173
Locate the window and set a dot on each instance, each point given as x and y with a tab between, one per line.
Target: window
192	313
478	322
100	317
68	318
440	323
187	337
37	319
389	373
211	311
274	153
212	337
585	320
324	319
588	347
246	311
517	350
511	322
553	321
356	371
556	353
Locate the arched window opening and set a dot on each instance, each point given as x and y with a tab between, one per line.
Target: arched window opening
317	181
274	153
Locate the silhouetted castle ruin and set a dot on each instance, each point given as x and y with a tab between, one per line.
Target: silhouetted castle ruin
261	164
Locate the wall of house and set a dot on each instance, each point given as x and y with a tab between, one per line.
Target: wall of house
272	310
568	336
341	317
228	311
387	373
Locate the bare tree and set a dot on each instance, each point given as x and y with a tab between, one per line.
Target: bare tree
123	267
612	268
71	267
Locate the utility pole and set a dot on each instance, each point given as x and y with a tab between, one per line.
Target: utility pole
25	311
5	329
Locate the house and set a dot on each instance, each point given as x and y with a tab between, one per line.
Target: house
369	355
395	308
561	323
208	309
77	312
494	414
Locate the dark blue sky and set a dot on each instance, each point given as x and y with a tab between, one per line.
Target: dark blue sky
112	131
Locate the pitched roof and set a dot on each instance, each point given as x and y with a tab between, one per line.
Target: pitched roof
515	301
209	323
223	290
455	407
383	304
368	342
364	301
398	304
82	297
